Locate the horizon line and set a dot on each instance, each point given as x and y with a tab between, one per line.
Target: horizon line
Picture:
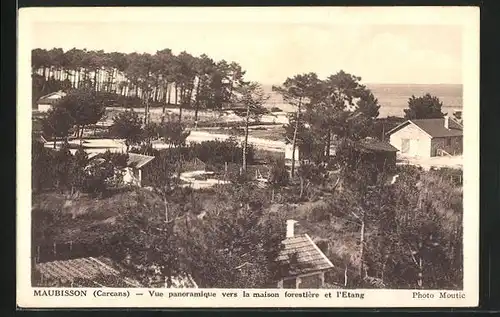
391	83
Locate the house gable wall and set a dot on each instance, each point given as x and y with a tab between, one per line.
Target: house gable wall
132	176
420	142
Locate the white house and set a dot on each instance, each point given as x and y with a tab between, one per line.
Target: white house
133	173
47	102
428	137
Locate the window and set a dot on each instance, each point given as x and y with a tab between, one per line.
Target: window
405	145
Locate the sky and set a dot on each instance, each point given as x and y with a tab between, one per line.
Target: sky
272	51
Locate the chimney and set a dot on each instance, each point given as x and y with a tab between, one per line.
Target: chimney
446	122
290	224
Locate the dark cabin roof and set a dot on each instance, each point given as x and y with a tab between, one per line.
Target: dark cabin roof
301	256
47	100
374	145
87	269
433	127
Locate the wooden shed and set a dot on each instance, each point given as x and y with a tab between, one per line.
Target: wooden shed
302	263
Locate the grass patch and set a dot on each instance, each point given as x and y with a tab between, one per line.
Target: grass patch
80	219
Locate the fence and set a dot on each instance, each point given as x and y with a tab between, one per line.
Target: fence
456	179
65	251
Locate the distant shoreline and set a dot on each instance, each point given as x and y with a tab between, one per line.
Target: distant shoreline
393	98
385	84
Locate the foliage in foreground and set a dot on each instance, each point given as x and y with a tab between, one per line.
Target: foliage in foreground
405	235
233	245
60	170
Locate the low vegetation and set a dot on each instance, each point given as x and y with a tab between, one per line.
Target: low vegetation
405	233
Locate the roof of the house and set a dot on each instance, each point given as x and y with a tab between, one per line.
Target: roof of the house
87	269
301	256
51	98
181	281
138	160
196	161
433	127
374	145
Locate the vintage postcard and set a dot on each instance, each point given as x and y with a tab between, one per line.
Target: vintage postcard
248	157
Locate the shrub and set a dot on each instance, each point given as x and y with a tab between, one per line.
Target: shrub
319	213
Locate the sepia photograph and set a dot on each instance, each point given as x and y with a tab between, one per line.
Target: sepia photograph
282	153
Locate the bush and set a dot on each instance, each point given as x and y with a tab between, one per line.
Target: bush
452	175
219	152
319	213
115	100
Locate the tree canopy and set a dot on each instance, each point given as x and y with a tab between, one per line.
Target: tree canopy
161	78
127	125
84	107
424	107
57	123
251	99
339	107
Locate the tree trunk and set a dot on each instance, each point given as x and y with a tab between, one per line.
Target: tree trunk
301	187
362	246
169	92
95	80
165	92
164	105
295	137
190	99
179	148
197	103
81	134
146	109
166	207
182	97
230	92
328	144
245	142
181	100
383	269
345	277
176	94
420	281
111	80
